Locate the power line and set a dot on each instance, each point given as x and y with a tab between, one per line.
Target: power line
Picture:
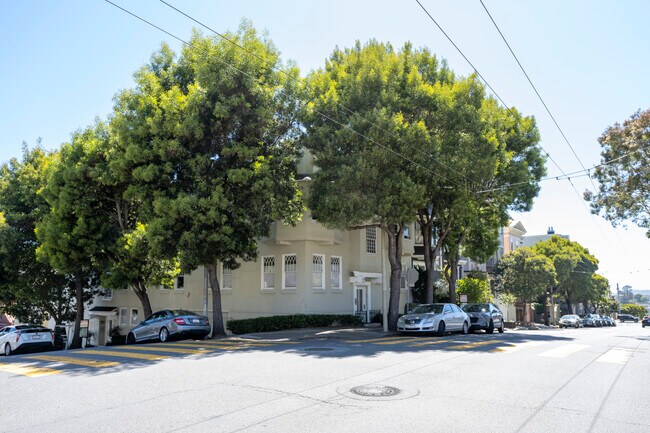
315	110
479	74
536	92
500	99
302	81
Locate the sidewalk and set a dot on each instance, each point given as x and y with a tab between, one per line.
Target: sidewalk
328	333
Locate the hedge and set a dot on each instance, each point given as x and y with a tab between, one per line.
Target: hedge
279	323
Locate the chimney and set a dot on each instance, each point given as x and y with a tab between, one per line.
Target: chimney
550	231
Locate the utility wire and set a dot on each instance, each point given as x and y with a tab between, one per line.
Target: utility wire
500	99
536	92
315	110
302	81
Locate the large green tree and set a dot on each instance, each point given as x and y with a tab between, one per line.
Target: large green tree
624	191
525	274
574	269
70	234
364	134
209	138
29	289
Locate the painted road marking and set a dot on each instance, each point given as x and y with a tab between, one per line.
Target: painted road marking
428	343
164	349
616	356
564	351
232	343
75	361
27	370
476	344
204	346
516	347
387	339
123	354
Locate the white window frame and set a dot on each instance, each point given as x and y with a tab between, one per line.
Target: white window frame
268	270
371	241
124	317
333	277
107	294
226	285
136	321
318	267
285	272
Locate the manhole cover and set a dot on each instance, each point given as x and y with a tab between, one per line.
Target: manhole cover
375	391
318	349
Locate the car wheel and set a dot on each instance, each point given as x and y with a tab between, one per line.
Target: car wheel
577	325
490	328
7	349
465	328
501	328
130	339
163	334
441	328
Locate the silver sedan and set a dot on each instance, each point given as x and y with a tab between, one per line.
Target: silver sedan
166	324
438	318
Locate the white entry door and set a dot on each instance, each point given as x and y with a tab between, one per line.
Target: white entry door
361	302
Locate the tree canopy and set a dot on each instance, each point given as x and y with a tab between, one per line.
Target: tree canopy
623	175
209	138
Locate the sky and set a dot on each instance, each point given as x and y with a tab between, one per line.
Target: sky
62	62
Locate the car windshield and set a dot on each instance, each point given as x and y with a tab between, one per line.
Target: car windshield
428	309
569	316
475	308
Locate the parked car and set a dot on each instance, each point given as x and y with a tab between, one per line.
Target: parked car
485	316
438	318
608	321
572	320
645	321
628	318
24	338
592	320
166	324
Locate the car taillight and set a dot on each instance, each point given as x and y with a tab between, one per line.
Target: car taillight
52	332
180	321
17	336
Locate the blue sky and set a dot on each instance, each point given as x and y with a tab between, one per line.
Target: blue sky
62	62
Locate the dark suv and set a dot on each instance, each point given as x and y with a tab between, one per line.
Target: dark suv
628	318
485	316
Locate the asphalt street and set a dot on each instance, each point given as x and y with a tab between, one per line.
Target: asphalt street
340	380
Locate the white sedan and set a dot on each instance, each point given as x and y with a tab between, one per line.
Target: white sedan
438	318
25	338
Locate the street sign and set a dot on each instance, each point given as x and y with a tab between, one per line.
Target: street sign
412	275
463	298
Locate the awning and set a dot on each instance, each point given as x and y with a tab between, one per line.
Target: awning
103	311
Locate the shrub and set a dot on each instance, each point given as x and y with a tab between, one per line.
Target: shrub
279	323
634	309
477	290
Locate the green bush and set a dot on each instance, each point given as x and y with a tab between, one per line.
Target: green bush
634	309
279	323
477	290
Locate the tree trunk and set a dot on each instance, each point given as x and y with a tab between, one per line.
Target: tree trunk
429	260
453	280
79	296
394	232
141	292
218	328
569	304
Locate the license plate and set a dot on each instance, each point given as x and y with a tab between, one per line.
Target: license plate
36	337
196	321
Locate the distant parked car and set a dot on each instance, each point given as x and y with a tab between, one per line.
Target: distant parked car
438	318
608	321
646	321
485	316
166	324
628	318
572	320
592	320
24	338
